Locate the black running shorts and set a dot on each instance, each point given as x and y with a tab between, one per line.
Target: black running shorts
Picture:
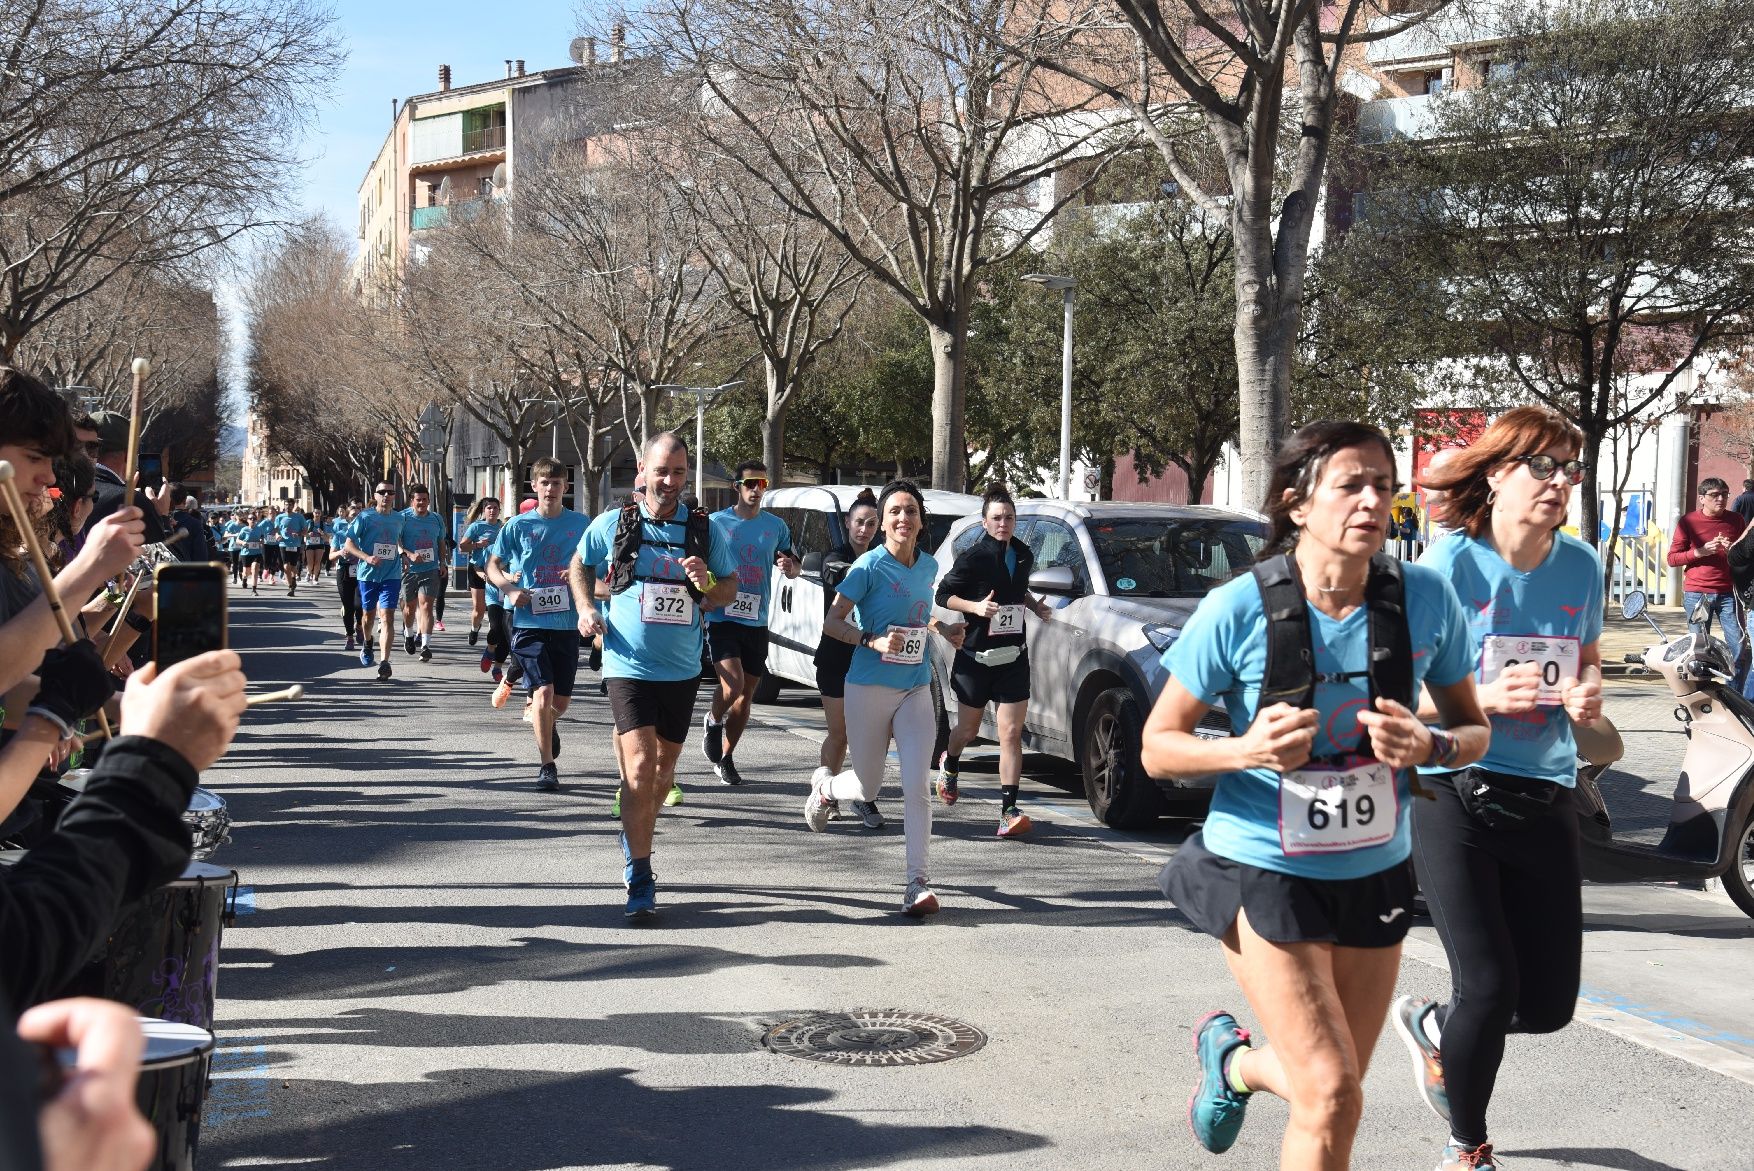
977	686
547	657
734	640
666	706
1373	911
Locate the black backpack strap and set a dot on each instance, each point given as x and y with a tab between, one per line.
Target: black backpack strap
1291	674
1391	644
624	553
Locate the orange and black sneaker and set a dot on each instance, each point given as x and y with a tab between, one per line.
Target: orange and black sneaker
1013	822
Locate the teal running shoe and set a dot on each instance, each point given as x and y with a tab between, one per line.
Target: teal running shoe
1215	1111
642	898
1408	1016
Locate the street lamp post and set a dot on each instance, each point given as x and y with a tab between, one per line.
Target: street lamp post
1066	285
701	395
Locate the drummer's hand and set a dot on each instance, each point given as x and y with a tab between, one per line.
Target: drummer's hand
113	543
192	707
1397	737
1515	690
1583	701
92	1124
1280	739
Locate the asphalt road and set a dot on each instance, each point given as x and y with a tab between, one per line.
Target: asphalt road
433	970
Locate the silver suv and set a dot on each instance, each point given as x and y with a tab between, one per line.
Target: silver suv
1123	578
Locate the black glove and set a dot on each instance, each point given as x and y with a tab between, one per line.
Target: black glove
75	683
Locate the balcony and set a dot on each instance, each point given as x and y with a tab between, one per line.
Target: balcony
439	215
484	138
1392	118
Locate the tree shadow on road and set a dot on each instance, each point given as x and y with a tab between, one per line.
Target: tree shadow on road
515	1120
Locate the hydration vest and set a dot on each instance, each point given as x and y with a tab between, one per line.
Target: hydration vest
1291	675
630	536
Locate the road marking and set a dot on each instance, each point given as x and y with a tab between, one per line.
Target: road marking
1642	1025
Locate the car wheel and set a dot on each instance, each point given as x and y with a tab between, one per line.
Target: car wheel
1119	792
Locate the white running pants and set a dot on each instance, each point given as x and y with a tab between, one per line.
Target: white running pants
875	716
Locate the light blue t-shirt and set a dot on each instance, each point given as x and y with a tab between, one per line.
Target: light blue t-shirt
373	528
340	529
754	542
1221	657
536	550
632	647
233	533
258	534
291	528
422	534
1561	597
886	593
481	530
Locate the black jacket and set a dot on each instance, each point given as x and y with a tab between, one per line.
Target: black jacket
122	839
981	571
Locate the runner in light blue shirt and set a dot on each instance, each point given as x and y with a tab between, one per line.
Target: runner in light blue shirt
375	538
290	528
423	542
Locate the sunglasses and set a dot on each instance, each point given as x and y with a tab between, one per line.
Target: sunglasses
754	482
386	492
1542	467
1718	495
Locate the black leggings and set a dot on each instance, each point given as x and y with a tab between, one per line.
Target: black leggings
348	587
499	637
1508	906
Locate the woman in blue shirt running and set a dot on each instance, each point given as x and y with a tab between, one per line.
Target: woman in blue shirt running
1300	870
1497	851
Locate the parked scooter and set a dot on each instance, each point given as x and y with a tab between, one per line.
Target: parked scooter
1711	822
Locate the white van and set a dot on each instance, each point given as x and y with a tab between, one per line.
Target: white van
816	516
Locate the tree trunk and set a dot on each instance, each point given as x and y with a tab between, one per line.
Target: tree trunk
949	448
1589	522
1266	331
773	424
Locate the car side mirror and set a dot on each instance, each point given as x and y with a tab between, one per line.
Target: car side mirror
1633	605
1056	580
812	564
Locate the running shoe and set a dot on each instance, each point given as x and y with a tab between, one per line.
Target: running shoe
674	797
487	664
548	779
919	900
642	898
409	643
869	815
615	805
366	658
946	781
816	809
426	654
1455	1158
439	625
714	744
1013	822
497	674
1408	1016
727	772
1215	1111
817	780
292	589
501	693
350	642
474	635
384	670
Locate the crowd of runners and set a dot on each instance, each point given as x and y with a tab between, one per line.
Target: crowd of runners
1384	710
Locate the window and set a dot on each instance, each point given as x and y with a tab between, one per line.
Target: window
809	530
966	539
1163	558
1055	544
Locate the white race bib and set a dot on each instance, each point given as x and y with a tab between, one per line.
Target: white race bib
913	648
666	603
1006	620
421	555
1558	656
384	552
549	600
313	539
745	606
253	546
1333	810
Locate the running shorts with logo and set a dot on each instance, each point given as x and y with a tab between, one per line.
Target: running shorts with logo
1340	818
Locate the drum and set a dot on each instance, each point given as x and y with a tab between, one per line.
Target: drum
207	818
173	1088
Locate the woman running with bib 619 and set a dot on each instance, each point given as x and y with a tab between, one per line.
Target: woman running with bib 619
1300	870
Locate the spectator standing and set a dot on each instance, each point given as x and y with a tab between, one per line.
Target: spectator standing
1700	547
1744	504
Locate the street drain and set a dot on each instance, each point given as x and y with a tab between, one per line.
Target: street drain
874	1036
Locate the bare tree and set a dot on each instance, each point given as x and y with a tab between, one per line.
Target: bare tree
1233	69
141	133
913	134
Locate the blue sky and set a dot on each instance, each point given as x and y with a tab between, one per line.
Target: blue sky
394	51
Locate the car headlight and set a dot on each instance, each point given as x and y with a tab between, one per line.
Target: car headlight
1161	634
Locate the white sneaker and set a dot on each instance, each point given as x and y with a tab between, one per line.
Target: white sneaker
919	900
818	780
816	809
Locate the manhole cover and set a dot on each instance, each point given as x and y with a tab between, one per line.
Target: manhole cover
874	1036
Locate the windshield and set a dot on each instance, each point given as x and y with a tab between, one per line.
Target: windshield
1149	558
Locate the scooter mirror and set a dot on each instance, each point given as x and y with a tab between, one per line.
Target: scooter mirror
1633	605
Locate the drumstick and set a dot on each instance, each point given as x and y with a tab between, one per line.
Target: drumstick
111	650
21	518
296	691
141	369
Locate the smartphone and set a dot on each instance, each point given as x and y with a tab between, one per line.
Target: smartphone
192	614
